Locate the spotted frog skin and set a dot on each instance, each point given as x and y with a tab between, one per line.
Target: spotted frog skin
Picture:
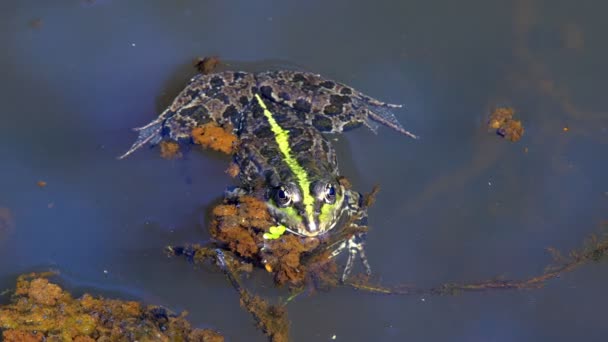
281	119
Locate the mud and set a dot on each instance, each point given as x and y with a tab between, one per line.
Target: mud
42	311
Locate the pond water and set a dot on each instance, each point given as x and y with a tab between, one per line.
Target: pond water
458	205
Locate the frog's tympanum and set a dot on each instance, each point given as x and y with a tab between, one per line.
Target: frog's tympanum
281	119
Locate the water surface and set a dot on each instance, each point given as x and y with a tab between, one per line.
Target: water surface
460	204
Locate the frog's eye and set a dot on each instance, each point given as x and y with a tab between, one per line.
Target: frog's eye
282	197
330	194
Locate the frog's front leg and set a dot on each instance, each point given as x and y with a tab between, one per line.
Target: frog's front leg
355	245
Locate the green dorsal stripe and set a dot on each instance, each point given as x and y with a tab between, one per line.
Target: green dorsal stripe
282	138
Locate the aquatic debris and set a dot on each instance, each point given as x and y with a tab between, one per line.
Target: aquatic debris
41	184
7	222
41	310
207	65
215	137
593	250
272	319
503	123
170	150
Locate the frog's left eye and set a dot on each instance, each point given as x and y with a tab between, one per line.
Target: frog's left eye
282	197
330	194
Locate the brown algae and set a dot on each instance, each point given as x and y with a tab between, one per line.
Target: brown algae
42	311
501	121
215	137
170	150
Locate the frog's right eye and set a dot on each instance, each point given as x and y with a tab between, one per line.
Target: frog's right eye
282	197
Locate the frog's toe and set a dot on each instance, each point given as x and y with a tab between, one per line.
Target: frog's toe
148	134
356	247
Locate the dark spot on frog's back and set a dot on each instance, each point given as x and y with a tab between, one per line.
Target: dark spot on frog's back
200	114
216	82
332	109
238	75
335	106
346	91
222	97
294	132
263	132
230	112
302	105
351	125
192	92
284	96
302	146
269	152
256	111
266	92
322	123
339	100
328	84
244	101
298	78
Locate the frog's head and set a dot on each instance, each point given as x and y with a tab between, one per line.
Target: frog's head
307	211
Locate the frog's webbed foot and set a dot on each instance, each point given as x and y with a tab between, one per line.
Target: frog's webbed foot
148	134
355	247
375	112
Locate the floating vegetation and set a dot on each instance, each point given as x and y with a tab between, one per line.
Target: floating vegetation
170	150
43	311
594	250
207	65
502	122
215	137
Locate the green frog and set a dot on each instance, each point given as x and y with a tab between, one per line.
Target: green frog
282	119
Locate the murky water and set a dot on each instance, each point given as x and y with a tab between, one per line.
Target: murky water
460	204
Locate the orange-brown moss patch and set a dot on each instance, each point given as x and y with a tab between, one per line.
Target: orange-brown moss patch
233	170
239	226
502	122
21	336
215	137
41	183
41	310
170	150
283	257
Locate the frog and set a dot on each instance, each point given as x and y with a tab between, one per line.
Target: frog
283	120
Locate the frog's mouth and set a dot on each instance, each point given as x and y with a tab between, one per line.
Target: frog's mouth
297	220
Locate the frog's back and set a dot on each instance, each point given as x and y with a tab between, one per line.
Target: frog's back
262	154
225	97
